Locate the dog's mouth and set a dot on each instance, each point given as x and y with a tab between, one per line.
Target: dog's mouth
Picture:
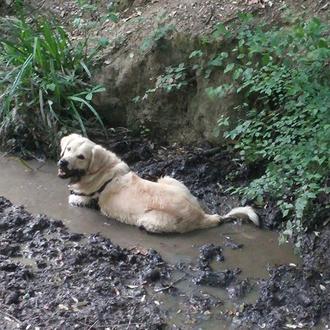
74	174
63	174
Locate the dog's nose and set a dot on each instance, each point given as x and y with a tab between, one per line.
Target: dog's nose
62	163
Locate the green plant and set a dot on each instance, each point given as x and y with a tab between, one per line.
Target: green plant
173	79
86	6
45	79
283	77
161	32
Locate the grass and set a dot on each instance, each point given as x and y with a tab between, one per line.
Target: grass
45	81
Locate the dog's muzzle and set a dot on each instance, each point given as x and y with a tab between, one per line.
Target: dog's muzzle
64	172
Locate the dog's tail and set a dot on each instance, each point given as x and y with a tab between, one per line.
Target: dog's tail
246	212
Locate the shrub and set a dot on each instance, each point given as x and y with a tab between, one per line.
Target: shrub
44	82
283	76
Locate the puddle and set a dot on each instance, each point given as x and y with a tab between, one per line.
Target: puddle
40	191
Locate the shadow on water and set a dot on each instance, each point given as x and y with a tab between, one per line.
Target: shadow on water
41	191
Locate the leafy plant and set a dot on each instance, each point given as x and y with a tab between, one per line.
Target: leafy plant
173	79
156	36
283	76
44	78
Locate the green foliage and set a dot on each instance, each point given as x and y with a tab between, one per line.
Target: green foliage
283	77
90	16
86	6
43	75
159	34
173	79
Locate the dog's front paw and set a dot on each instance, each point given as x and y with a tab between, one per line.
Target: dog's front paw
82	201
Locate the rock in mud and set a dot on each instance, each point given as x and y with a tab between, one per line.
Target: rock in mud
152	275
239	290
205	274
216	279
10	250
229	243
207	253
12	298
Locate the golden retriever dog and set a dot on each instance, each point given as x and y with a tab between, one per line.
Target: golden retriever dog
163	206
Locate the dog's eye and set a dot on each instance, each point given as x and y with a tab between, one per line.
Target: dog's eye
68	149
81	156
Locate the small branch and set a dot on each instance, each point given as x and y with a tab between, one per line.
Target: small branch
131	318
211	15
11	317
170	285
93	325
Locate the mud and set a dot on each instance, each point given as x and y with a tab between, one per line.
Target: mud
207	253
295	297
53	278
77	281
292	297
207	276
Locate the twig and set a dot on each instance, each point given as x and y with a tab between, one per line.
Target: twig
170	285
212	151
11	317
120	326
211	15
93	325
131	318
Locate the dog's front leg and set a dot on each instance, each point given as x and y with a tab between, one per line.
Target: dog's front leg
83	201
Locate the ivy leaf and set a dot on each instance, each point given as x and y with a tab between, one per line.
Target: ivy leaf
196	53
237	73
229	67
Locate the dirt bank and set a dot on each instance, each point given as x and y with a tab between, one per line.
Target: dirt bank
151	36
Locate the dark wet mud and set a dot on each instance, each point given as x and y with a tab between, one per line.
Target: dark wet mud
56	277
292	297
76	281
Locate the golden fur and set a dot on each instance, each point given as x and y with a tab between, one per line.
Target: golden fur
163	206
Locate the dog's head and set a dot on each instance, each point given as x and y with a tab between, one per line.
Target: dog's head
80	157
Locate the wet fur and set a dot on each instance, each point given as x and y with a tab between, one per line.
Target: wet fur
163	206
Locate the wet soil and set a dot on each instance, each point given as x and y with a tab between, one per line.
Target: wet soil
75	281
201	255
292	297
51	275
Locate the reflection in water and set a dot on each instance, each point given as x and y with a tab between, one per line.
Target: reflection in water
41	191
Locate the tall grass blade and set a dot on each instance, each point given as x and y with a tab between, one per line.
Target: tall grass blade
19	76
86	69
90	107
78	117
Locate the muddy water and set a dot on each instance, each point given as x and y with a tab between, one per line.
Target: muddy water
40	191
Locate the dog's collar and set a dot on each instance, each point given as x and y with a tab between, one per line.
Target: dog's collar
72	192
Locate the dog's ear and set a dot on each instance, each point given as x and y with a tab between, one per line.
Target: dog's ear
100	157
66	140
